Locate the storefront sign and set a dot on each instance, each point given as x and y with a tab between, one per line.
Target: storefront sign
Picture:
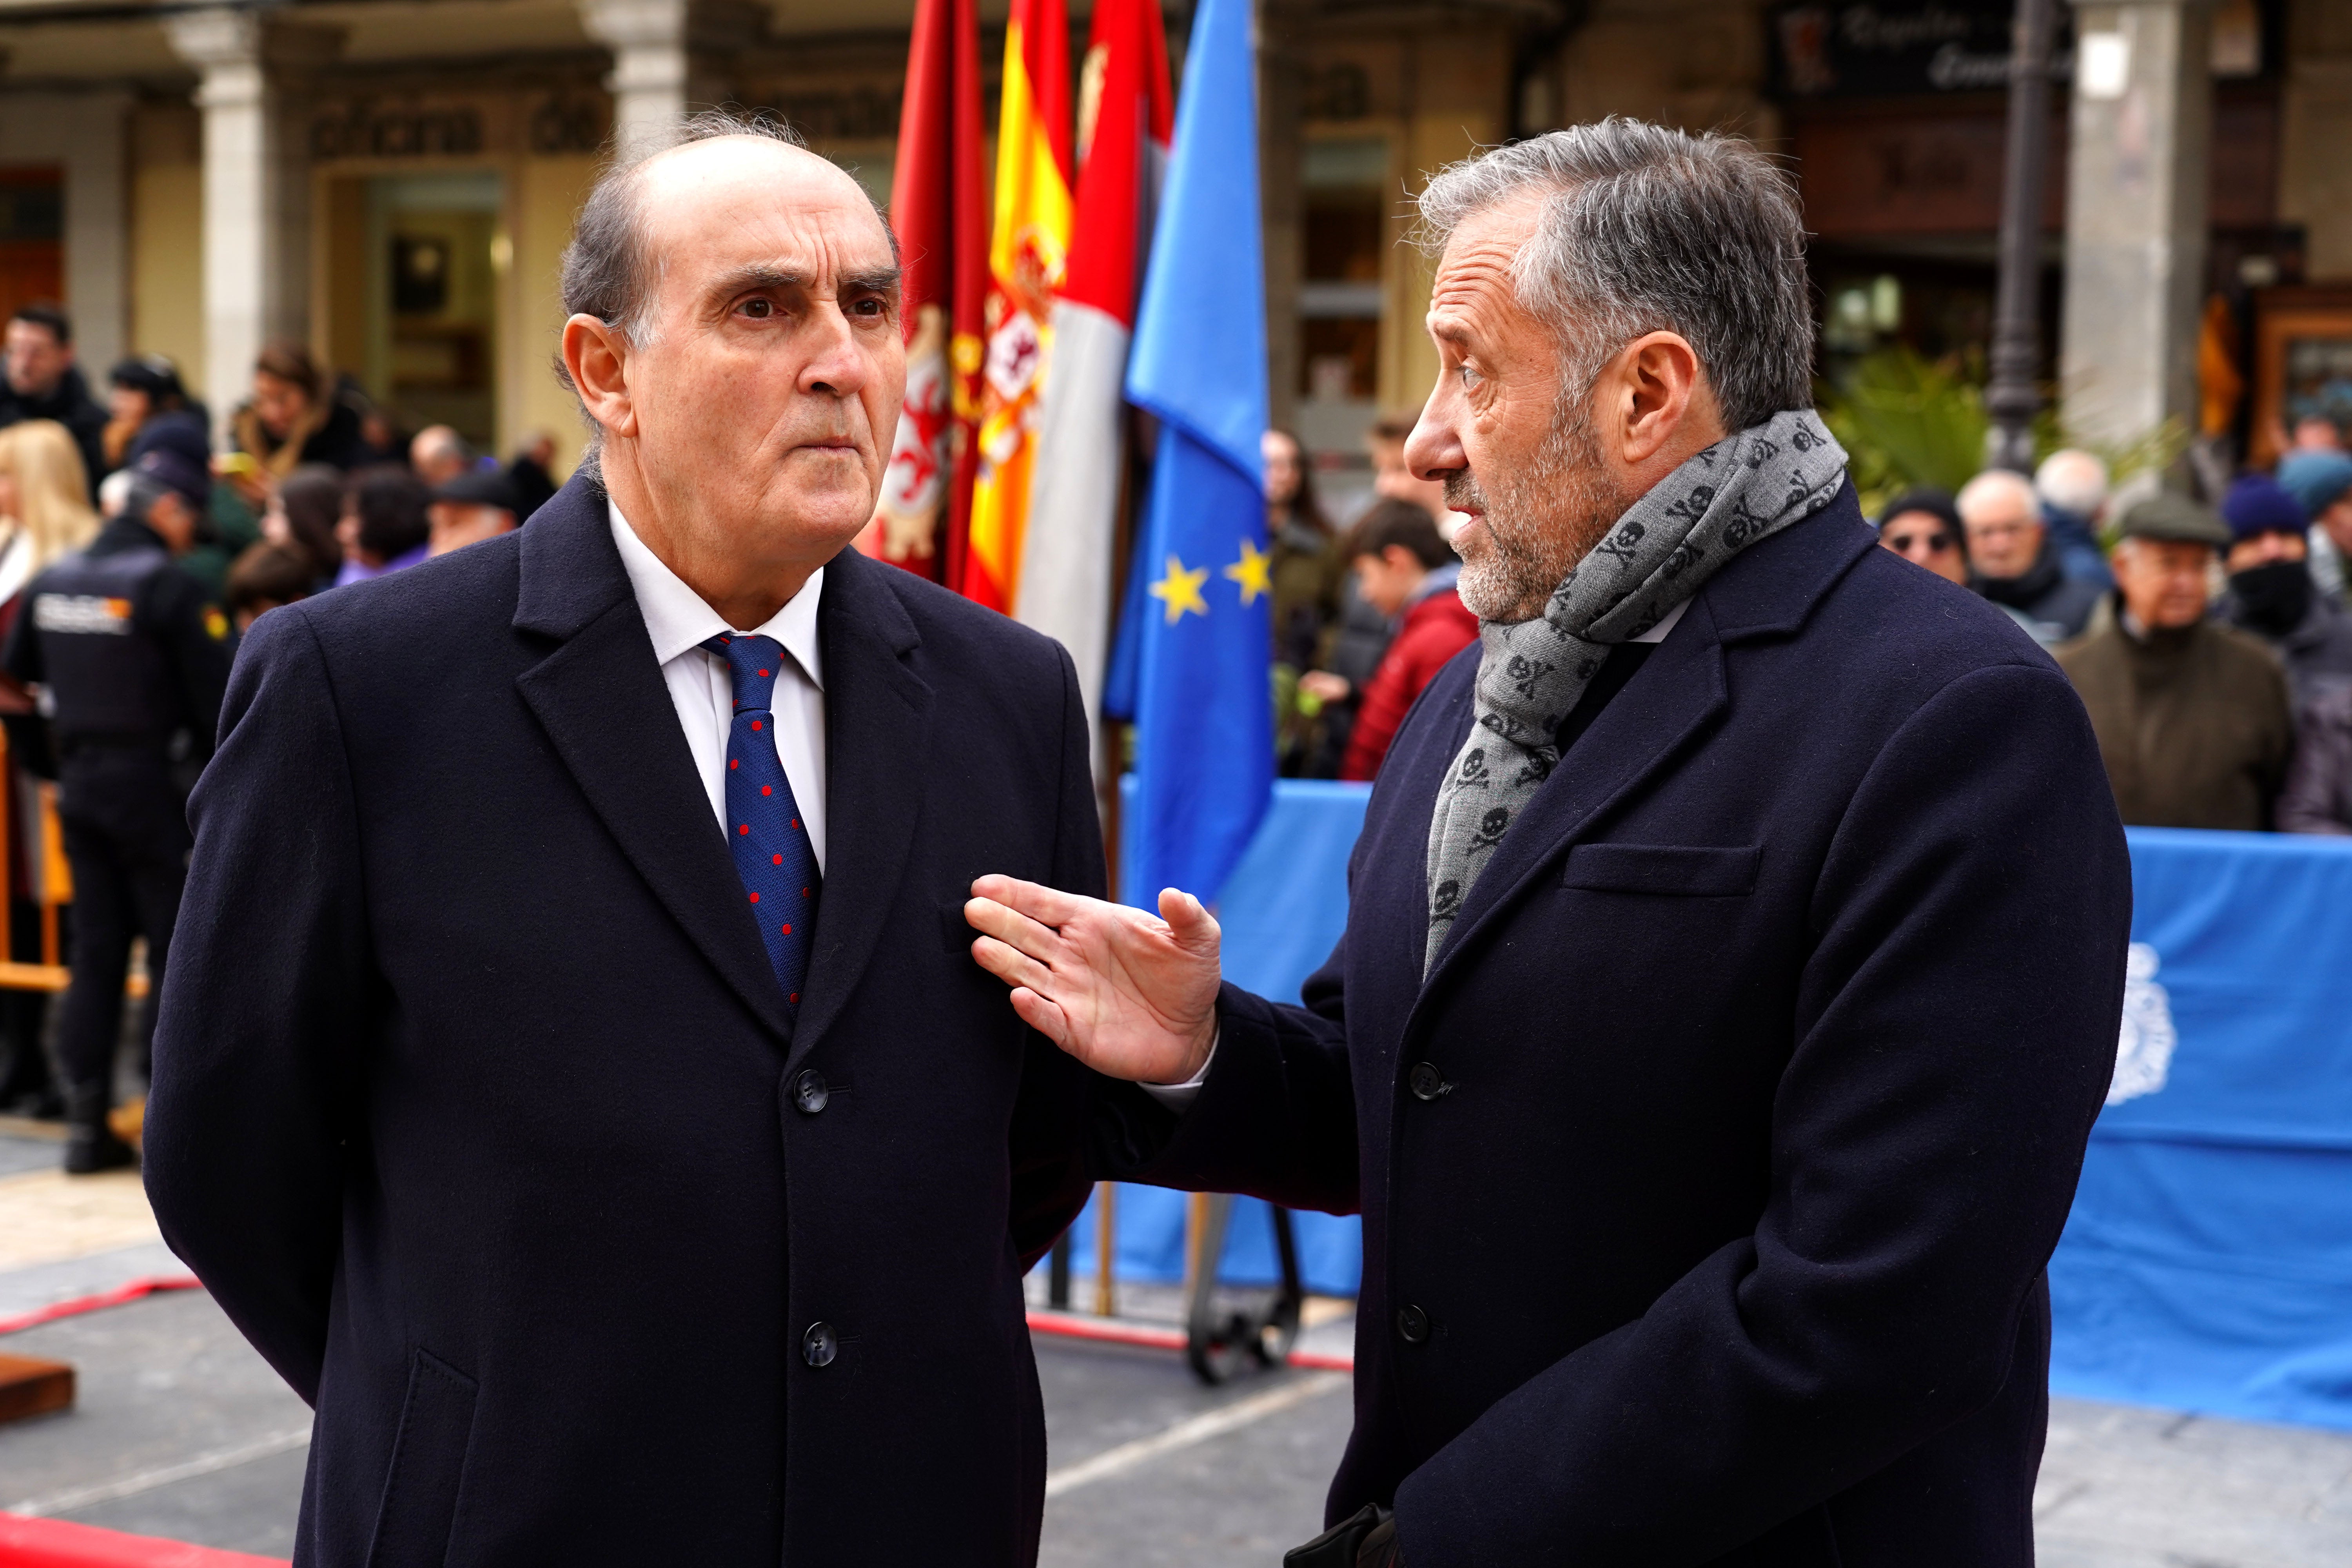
406	124
1891	46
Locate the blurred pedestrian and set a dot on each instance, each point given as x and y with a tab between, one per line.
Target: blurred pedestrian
2192	716
2072	487
297	414
1393	478
1408	573
1924	528
2321	483
386	524
2014	562
132	662
2317	433
533	473
1306	550
2271	594
265	577
44	383
439	453
138	391
303	518
467	508
45	511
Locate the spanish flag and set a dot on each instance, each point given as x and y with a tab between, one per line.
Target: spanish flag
1124	109
1026	256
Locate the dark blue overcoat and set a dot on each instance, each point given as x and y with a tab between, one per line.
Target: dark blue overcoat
1708	1181
479	1108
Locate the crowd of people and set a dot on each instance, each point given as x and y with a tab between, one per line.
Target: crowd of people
2212	646
134	551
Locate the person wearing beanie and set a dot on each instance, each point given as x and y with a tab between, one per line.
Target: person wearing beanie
2321	483
2192	716
1924	527
2271	593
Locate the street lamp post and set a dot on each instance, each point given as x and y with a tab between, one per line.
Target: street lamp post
2012	399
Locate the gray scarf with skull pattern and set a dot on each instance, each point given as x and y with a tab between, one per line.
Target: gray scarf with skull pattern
1532	673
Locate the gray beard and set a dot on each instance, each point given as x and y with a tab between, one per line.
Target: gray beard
1537	523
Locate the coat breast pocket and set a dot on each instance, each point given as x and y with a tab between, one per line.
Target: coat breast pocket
428	1462
1674	870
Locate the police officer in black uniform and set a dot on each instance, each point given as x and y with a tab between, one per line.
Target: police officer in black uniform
131	660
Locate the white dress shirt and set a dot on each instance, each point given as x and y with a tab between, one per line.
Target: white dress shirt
703	691
1179	1097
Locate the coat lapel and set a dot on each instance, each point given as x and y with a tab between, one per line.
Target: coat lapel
602	701
1675	696
876	707
1767	591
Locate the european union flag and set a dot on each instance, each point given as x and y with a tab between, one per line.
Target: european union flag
1204	707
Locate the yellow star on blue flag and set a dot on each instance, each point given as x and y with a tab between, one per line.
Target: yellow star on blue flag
1179	590
1254	571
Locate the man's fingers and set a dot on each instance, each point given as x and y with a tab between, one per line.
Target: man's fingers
1189	921
1049	906
1010	926
1010	965
1042	1015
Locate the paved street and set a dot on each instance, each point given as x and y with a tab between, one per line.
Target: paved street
181	1431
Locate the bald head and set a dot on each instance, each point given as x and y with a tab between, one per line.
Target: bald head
629	223
734	337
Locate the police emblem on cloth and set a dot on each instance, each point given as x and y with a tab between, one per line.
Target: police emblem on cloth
2143	1051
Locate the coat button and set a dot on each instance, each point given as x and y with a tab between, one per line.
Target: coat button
810	1093
1426	1082
1412	1325
818	1347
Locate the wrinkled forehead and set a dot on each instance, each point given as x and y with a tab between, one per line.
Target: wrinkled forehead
1475	279
732	201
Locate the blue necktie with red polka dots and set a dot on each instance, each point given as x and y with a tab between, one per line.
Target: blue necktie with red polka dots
772	854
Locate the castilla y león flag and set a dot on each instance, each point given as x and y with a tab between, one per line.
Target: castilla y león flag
1124	108
1026	254
936	208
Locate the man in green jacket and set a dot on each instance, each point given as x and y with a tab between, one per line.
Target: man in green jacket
2192	716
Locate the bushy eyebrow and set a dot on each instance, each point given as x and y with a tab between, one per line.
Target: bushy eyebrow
883	280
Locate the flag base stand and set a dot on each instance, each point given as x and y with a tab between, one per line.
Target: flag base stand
1222	1341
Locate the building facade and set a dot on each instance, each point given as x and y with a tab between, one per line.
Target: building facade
393	181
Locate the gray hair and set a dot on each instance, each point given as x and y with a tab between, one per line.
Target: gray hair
2072	480
1997	485
1644	229
609	271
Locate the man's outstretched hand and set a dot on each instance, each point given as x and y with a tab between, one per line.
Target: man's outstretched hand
1130	995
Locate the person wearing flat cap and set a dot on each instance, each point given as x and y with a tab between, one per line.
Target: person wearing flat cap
2191	715
2272	595
470	506
131	660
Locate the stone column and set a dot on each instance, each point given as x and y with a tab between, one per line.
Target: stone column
650	62
243	266
2136	214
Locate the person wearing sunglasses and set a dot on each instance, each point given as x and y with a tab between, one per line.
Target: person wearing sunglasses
1924	528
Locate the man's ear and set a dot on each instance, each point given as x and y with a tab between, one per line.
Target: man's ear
1656	393
597	359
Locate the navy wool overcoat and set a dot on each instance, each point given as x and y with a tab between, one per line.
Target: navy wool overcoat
480	1108
1708	1179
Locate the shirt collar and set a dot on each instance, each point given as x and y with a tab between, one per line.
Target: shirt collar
677	619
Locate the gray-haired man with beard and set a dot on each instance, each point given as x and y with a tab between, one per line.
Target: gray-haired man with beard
1733	957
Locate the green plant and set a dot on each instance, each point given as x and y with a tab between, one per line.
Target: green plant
1907	421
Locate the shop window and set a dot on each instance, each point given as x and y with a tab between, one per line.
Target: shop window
1345	202
32	235
414	269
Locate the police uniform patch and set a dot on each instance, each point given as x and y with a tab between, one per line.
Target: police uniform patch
87	614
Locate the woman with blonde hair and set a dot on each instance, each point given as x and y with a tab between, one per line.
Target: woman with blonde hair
44	513
44	501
